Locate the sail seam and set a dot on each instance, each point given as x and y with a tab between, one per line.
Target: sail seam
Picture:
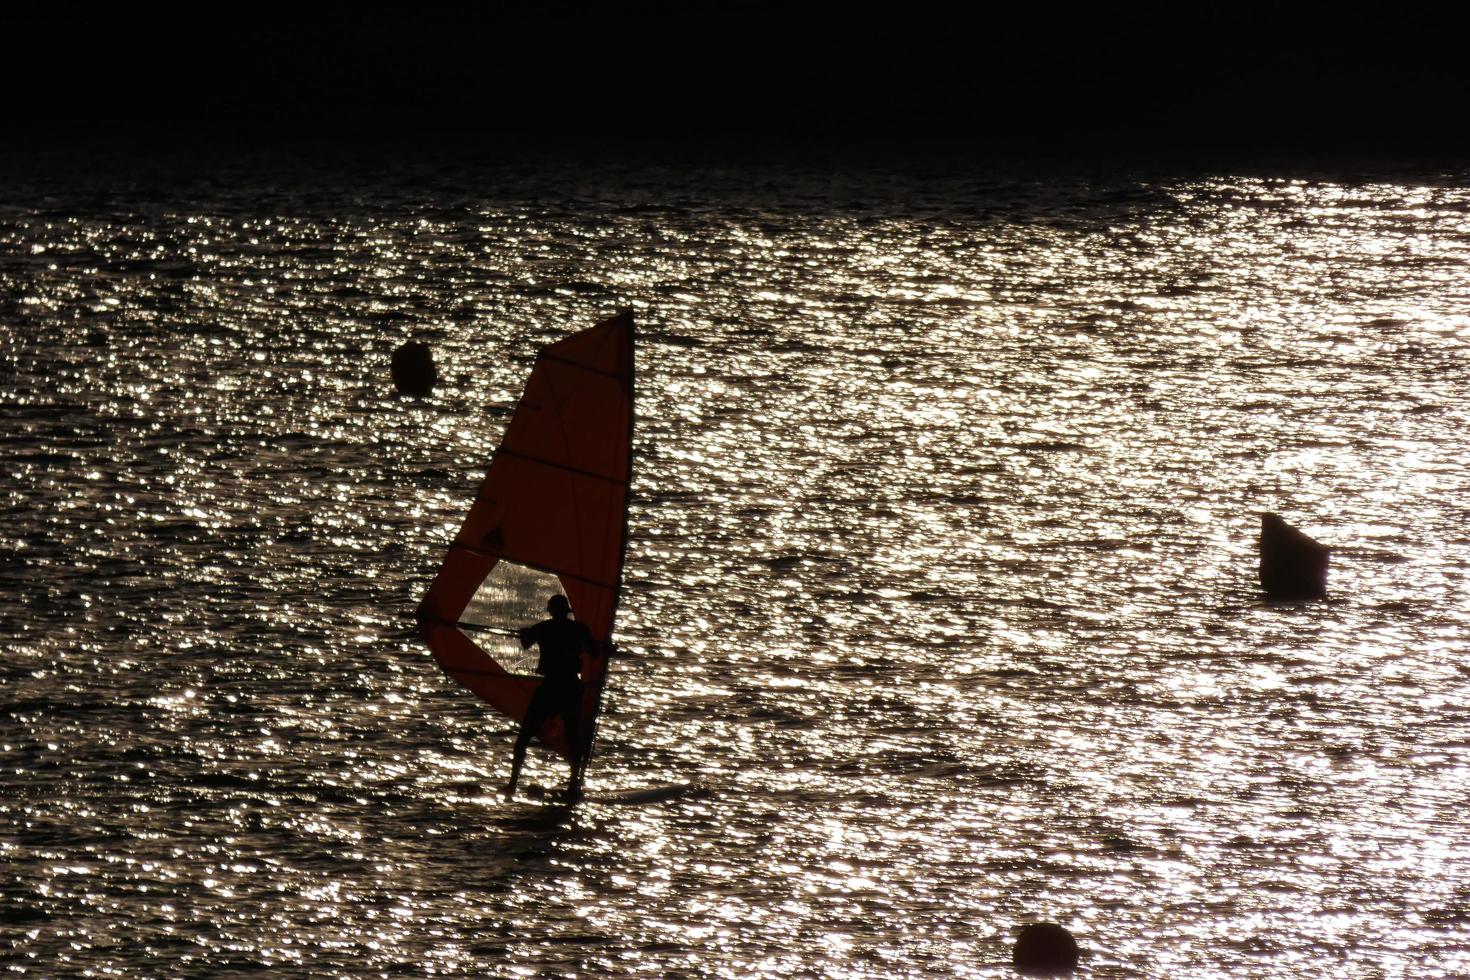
578	364
501	556
615	481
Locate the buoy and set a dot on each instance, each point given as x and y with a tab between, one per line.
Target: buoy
1293	566
1044	949
413	369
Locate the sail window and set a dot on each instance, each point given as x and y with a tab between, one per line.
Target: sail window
512	596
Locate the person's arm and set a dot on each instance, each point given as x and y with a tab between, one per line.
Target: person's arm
527	636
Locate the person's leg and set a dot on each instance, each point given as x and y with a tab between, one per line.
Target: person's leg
571	716
536	714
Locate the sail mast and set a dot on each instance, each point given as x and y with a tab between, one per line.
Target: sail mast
600	684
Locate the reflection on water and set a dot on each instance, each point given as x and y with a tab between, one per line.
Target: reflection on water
940	582
512	596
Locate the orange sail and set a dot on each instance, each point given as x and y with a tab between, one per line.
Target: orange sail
551	516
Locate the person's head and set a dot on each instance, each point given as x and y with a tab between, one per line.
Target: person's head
558	606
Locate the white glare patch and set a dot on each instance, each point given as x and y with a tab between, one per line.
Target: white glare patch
511	597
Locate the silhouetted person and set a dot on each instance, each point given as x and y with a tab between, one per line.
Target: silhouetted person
562	640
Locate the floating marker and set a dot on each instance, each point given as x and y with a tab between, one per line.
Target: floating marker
1044	949
413	369
1293	566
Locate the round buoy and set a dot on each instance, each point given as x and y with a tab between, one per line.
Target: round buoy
413	369
1044	949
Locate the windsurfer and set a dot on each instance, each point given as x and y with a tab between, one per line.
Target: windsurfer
561	640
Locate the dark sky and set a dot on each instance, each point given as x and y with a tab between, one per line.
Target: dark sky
1031	77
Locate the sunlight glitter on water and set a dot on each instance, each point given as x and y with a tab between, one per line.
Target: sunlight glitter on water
941	579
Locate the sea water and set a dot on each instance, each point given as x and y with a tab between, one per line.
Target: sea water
940	588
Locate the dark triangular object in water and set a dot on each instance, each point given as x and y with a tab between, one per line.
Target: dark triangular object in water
1293	566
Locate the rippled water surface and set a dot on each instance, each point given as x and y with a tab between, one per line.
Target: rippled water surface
940	585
